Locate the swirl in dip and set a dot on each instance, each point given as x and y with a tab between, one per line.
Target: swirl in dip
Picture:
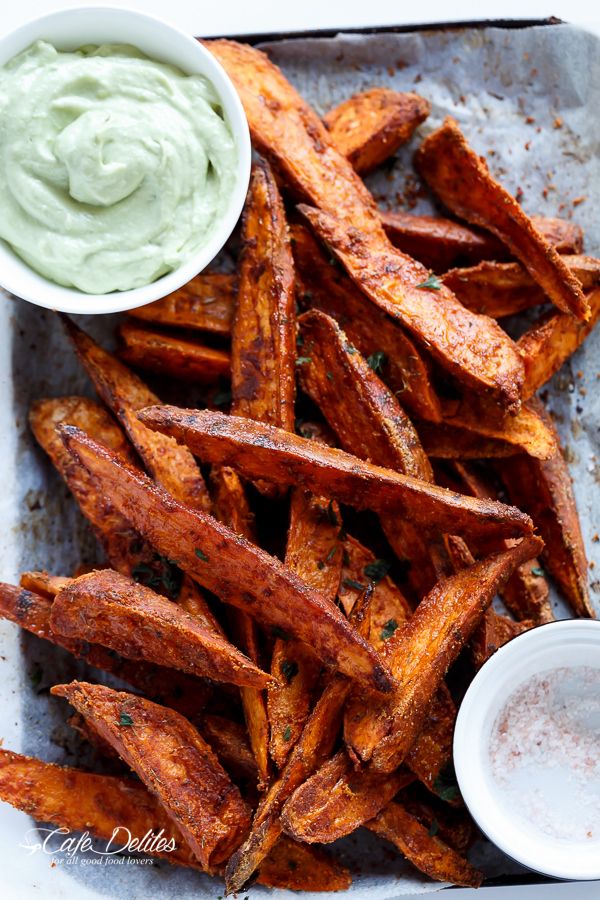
114	167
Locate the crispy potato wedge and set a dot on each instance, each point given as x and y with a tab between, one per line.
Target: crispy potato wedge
174	763
124	393
110	609
296	142
106	806
235	570
550	342
462	181
420	653
176	689
203	304
258	450
337	800
500	289
370	423
167	354
124	547
314	553
525	431
525	593
231	507
263	338
299	867
43	583
493	631
229	740
453	442
545	489
472	348
454	827
326	287
369	127
425	851
440	243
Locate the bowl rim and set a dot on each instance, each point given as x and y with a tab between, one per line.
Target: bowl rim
24	282
481	695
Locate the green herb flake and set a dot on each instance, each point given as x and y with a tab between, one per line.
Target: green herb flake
434	828
377	360
303	360
287	733
143	574
445	785
329	375
388	629
222	398
351	583
125	719
432	283
351	349
201	555
377	570
331	554
171	576
289	669
537	570
331	514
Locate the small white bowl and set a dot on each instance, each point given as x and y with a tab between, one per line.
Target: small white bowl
70	29
569	642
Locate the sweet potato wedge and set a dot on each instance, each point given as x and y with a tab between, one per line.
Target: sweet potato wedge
231	507
545	489
110	609
452	442
369	127
337	800
263	338
326	287
299	867
314	553
550	342
235	570
421	651
258	450
500	289
462	181
114	809
440	243
493	631
299	147
43	583
526	592
174	763
425	851
32	612
124	393
472	348
203	304
168	354
124	547
229	740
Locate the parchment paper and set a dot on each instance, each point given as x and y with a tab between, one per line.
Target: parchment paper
510	91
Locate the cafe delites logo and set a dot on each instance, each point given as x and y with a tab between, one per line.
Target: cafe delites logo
67	848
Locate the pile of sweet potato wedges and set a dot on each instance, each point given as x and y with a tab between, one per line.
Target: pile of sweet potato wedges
288	678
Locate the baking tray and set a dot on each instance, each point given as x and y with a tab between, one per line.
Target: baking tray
551	66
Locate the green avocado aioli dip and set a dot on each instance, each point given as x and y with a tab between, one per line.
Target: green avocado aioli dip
114	168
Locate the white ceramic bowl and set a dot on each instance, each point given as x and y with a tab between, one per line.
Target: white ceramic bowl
569	642
70	29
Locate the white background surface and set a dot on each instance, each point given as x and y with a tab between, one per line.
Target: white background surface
260	16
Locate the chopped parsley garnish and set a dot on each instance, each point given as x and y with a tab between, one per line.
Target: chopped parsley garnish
289	669
434	828
377	570
388	629
329	375
169	575
432	283
331	554
125	719
445	784
351	583
287	733
377	360
222	398
302	360
201	555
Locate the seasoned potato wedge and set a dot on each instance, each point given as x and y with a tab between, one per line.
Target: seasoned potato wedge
299	867
203	304
174	763
453	442
258	450
168	354
229	740
369	127
462	181
493	631
421	651
235	570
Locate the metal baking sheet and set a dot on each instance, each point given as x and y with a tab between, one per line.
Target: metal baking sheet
525	97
